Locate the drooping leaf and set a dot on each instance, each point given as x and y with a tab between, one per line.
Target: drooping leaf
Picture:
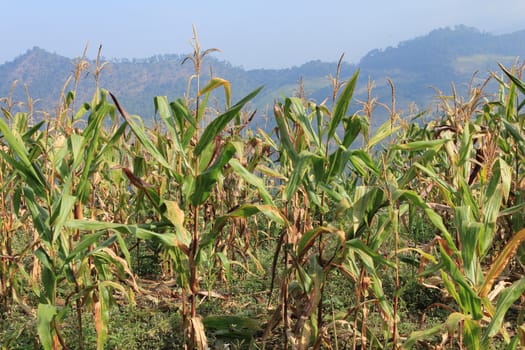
519	84
218	125
141	135
213	84
383	132
245	211
505	300
232	326
87	240
417	336
362	162
420	145
309	238
362	248
167	238
252	179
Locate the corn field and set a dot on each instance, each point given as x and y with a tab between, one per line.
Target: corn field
340	227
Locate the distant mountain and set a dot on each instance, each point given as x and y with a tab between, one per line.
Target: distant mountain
417	67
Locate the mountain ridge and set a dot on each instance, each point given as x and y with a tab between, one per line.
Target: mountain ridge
436	59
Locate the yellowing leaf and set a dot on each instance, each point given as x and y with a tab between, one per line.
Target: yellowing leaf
216	82
501	261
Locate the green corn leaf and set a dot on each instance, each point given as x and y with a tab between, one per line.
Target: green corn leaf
207	155
353	126
466	197
454	321
244	211
416	336
84	244
123	248
309	238
383	132
339	158
420	145
206	180
103	245
44	258
298	109
341	106
519	84
15	144
505	300
232	326
141	135
365	250
247	210
516	134
225	263
436	219
91	141
22	162
61	214
252	179
109	145
218	125
45	314
450	286
472	334
284	133
492	205
362	161
447	190
361	204
162	107
301	167
469	232
77	145
39	214
182	117
32	131
468	300
169	239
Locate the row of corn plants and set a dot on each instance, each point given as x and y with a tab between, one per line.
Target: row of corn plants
88	192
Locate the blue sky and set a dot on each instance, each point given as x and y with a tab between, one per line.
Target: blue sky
250	33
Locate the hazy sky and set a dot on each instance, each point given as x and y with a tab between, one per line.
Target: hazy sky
250	33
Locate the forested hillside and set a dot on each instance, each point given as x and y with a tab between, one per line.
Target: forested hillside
417	67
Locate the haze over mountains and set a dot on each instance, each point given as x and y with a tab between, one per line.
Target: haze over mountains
417	67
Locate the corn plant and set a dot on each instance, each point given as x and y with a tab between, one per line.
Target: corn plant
331	196
473	183
56	171
195	157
